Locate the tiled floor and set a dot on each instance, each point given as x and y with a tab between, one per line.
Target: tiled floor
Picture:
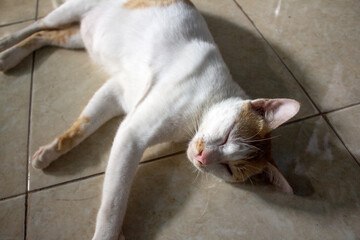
307	50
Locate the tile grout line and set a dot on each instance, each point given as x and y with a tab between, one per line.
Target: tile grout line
320	113
12	196
341	108
301	119
88	176
14	23
66	182
324	115
341	140
28	147
98	174
28	140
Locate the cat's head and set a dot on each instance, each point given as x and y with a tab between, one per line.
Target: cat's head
233	139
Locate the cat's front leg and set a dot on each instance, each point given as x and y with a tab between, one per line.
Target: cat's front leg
104	105
145	126
125	155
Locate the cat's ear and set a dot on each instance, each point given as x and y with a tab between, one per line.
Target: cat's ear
275	177
276	111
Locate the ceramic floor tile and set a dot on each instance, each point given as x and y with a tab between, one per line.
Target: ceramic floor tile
317	40
17	10
14	110
346	123
169	201
66	212
12	213
45	7
252	63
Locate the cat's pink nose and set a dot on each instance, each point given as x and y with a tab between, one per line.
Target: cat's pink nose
201	157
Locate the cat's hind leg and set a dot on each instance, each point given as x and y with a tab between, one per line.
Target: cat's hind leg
67	38
104	105
68	13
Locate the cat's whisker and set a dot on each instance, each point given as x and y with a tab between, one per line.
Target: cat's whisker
206	206
248	138
189	132
254	147
206	176
197	175
242	174
248	177
264	139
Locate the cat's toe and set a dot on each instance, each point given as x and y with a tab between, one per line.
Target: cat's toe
9	59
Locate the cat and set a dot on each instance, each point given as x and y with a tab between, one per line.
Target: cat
165	74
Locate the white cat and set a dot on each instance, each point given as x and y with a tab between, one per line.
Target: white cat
166	73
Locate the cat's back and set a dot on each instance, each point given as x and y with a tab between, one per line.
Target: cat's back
123	34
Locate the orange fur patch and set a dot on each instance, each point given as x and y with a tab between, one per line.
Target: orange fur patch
68	139
242	171
134	4
251	124
254	130
200	145
29	43
52	37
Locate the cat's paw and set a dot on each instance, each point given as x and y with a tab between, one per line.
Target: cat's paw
10	58
44	156
5	61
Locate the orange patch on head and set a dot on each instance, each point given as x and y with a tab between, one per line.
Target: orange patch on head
199	144
256	163
252	127
134	4
251	124
68	139
242	171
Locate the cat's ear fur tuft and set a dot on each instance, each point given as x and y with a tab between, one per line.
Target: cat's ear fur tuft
276	111
275	177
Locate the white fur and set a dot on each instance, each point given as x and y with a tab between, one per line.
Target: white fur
166	73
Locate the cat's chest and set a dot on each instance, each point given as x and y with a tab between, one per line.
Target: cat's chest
118	38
